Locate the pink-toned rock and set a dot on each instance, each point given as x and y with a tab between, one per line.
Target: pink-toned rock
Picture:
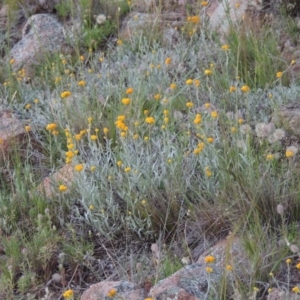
191	282
42	34
49	186
231	12
125	290
137	23
4	11
12	130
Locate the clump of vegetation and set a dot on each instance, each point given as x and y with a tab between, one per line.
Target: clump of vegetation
161	145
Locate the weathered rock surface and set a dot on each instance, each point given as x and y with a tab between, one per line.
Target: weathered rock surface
49	186
42	34
12	131
231	12
147	23
288	117
124	289
190	283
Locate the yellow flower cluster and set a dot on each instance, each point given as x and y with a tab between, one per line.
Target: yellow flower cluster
62	188
52	128
120	124
129	91
150	120
199	148
65	94
209	259
126	101
112	293
198	119
245	89
208	172
193	19
168	61
68	294
81	83
70	145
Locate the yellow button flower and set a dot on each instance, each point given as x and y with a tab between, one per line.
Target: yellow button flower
245	88
126	101
65	94
79	167
62	188
150	120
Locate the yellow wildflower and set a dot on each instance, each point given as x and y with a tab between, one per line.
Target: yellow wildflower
209	269
150	120
196	82
210	140
214	114
157	96
27	128
269	156
208	172
288	261
204	3
91	207
68	294
232	89
69	154
296	289
12	61
193	19
119	42
93	137
65	94
27	106
189	104
189	81
229	268
128	169
168	61
62	188
209	259
198	119
129	91
126	101
207	72
225	47
245	88
105	130
112	293
291	151
79	167
173	86
92	168
81	83
51	127
279	74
